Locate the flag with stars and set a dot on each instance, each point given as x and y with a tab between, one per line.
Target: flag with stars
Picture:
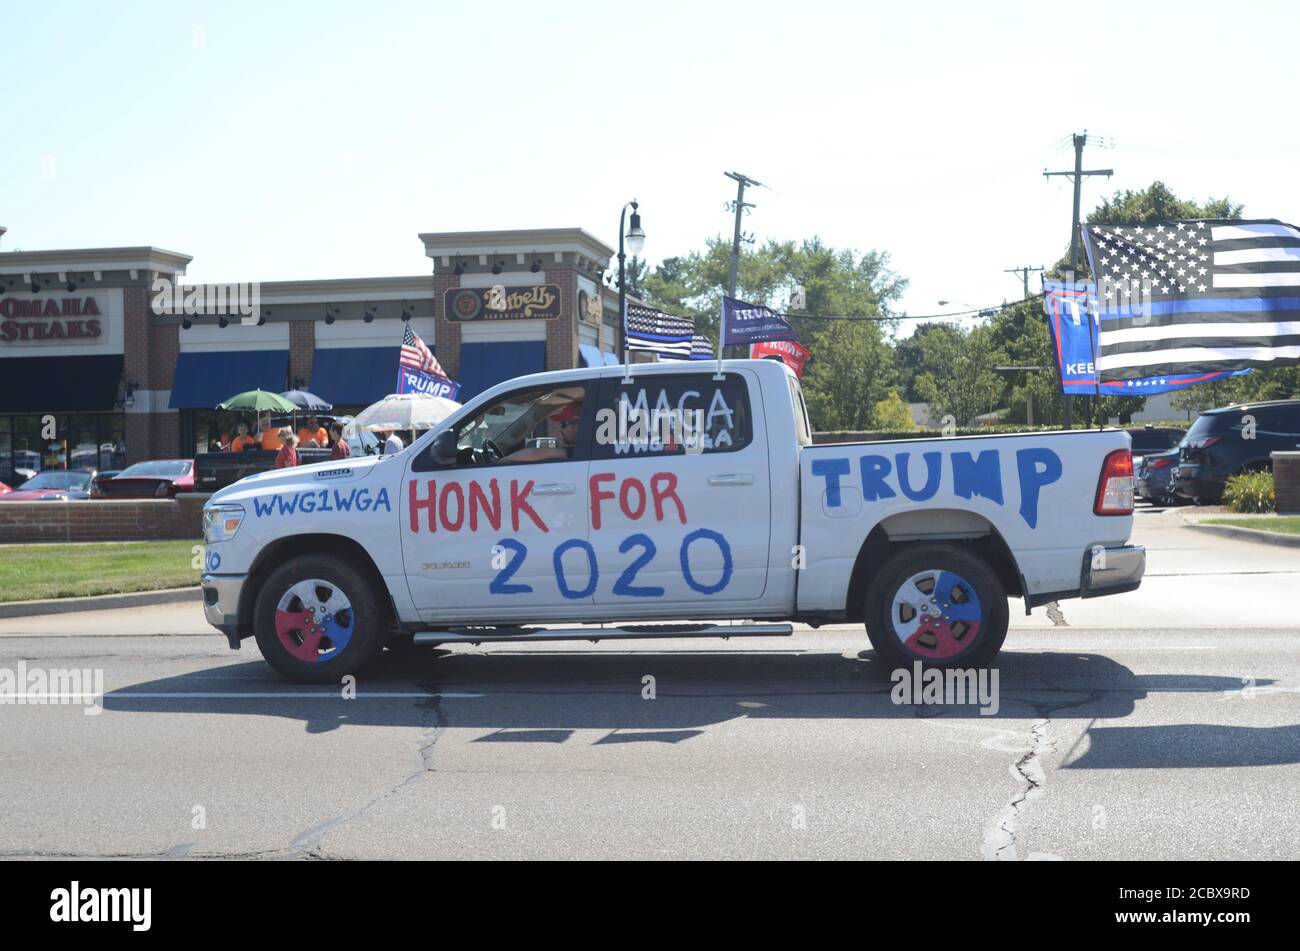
1182	298
1073	326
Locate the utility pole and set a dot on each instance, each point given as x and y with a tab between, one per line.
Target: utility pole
740	205
1024	272
1078	175
741	182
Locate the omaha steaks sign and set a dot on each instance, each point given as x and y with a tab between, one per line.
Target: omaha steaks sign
538	302
66	318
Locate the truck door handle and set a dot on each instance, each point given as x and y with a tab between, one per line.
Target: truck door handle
735	478
555	488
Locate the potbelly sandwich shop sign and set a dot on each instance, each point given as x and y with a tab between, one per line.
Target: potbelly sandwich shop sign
539	301
50	319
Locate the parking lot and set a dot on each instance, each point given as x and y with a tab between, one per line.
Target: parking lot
1159	724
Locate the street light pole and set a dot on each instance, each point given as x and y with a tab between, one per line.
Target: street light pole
635	238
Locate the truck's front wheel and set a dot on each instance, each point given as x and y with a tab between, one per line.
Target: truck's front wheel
317	619
936	604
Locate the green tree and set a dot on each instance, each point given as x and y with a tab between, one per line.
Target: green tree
851	372
836	282
893	416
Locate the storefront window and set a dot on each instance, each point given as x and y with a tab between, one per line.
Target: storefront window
88	441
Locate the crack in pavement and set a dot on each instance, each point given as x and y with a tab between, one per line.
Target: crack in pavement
1002	834
1055	615
435	720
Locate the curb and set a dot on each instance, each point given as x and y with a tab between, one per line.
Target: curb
1247	534
100	602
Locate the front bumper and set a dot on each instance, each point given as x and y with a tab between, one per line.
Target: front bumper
221	594
1112	570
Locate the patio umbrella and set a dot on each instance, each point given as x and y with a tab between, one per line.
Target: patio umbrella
307	401
258	401
405	411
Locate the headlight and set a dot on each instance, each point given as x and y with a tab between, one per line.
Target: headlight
220	522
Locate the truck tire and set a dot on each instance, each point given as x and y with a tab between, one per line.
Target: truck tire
316	619
937	604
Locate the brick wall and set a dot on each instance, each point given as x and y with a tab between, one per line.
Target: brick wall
447	343
102	520
1286	482
302	349
562	332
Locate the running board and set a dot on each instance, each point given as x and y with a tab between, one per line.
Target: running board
472	635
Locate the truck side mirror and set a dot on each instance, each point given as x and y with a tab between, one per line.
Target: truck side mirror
443	450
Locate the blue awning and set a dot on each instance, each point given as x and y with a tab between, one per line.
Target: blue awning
591	355
484	365
611	359
205	379
354	376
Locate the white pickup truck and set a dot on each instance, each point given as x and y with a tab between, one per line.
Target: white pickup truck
677	493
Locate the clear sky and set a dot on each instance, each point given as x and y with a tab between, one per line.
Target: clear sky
277	140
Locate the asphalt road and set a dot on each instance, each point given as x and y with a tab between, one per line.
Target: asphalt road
1161	724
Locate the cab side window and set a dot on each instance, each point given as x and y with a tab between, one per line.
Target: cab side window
539	424
667	414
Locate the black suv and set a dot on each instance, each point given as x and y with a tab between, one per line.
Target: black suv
1235	439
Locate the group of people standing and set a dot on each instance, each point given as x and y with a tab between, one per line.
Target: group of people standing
285	443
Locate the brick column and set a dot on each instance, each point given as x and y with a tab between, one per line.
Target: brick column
302	351
446	344
562	332
1286	482
149	362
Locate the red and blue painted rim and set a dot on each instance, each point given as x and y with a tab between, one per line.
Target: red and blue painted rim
936	614
314	621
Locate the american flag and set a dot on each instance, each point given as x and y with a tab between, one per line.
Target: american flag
416	355
1182	297
653	330
701	349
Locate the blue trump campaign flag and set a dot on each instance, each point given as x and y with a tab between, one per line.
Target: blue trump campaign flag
410	380
1195	297
1074	326
752	323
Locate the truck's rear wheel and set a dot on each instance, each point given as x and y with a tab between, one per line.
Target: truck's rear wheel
937	604
317	619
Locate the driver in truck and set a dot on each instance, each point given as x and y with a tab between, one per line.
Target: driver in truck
567	419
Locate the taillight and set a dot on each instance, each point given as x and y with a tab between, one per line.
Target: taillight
1115	487
1159	463
1205	442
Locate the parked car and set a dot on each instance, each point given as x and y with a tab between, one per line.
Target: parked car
1155	478
160	479
1152	439
1235	439
101	476
53	485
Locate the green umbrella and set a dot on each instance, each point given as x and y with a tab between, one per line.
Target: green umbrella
258	401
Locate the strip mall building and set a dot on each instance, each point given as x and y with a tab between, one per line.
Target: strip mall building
86	344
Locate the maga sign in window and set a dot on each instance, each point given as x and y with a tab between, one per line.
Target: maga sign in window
658	415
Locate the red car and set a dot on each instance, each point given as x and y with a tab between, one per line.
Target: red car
160	479
4	488
53	485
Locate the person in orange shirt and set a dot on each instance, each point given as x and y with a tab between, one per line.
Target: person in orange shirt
313	435
268	438
242	440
